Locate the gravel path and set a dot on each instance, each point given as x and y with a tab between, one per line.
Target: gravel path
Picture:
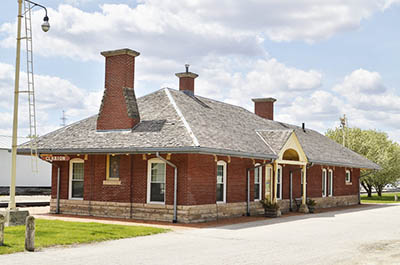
368	235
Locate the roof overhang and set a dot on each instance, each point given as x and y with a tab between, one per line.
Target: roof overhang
147	150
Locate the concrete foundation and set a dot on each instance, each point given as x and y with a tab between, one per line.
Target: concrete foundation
15	217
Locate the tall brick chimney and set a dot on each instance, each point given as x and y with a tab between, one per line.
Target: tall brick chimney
119	110
264	107
186	81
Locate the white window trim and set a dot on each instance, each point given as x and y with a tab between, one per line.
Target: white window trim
149	162
73	161
324	179
330	185
345	178
260	177
222	163
280	178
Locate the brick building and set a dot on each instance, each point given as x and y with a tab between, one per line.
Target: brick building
173	155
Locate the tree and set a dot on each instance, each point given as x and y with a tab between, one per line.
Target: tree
377	147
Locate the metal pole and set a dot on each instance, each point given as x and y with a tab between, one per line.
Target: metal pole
58	190
11	204
291	190
248	193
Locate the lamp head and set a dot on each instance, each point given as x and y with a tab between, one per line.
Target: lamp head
46	24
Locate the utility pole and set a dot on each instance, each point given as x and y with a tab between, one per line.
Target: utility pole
343	124
13	215
63	119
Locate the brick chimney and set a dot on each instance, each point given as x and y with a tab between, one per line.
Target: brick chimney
186	81
119	110
264	107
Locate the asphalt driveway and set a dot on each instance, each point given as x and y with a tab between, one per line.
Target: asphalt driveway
367	235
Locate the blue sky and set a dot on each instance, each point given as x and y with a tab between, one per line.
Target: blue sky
320	59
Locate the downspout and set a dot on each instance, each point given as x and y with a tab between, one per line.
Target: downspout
58	191
58	188
248	184
175	184
291	190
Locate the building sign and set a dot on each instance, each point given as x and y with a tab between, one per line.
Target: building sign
51	158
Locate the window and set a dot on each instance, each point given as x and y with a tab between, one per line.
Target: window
112	170
279	184
330	182
156	181
257	183
221	181
268	175
113	167
324	183
76	178
348	177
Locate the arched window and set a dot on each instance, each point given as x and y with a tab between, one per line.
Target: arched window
76	178
257	183
291	154
279	184
324	182
156	173
330	182
221	181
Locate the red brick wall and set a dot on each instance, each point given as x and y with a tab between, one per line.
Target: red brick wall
119	73
196	180
296	187
186	83
314	181
264	109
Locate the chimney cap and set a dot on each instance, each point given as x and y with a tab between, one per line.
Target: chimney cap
187	74
120	52
264	100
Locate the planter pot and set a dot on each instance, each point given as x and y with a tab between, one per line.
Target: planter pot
311	209
272	213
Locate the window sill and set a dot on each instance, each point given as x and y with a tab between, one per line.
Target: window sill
112	182
160	203
349	183
221	202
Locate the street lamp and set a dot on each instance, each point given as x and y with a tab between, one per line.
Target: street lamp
13	216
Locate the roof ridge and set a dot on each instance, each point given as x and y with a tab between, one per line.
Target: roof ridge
265	141
180	114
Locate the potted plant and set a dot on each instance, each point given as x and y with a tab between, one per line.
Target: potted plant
271	209
311	205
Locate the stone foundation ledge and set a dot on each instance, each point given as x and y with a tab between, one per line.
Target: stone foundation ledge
156	212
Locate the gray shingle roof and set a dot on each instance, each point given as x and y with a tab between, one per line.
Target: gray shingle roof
275	139
174	121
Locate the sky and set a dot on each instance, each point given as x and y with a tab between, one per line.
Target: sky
320	59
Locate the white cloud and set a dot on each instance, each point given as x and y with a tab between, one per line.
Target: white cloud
191	29
52	94
365	90
368	102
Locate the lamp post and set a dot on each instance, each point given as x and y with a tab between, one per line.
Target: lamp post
45	27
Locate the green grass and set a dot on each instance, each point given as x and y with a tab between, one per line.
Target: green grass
386	198
54	232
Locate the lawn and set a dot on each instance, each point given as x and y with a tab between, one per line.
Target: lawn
54	232
386	198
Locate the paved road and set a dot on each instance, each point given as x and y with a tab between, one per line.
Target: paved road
369	235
